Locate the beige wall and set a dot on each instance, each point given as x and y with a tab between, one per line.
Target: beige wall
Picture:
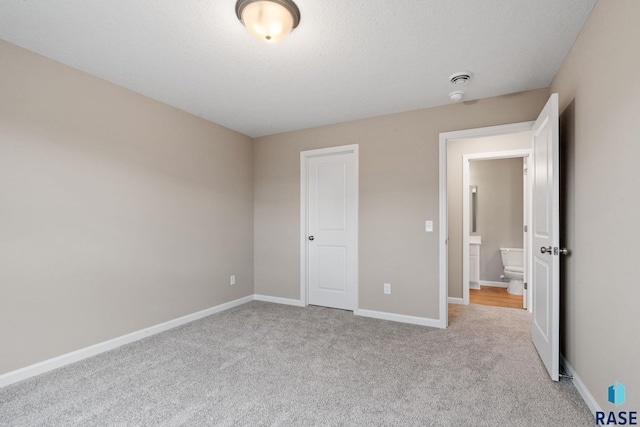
600	127
398	192
118	212
500	210
456	149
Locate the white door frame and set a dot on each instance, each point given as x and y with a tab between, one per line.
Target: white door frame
304	157
444	139
524	153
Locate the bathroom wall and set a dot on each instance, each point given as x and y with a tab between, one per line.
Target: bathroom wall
499	210
455	150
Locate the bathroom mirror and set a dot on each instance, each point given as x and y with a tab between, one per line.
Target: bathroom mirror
473	190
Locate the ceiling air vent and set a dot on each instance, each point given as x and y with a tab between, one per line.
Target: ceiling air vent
460	79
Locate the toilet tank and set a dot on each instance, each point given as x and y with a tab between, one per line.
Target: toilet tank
512	257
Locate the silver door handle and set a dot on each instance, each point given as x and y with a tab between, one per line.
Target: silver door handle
563	251
311	237
546	250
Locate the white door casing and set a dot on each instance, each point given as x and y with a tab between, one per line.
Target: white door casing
525	234
545	227
329	215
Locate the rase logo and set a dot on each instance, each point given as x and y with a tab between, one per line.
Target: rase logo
616	396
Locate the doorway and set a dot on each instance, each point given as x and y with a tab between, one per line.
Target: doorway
495	211
329	227
457	150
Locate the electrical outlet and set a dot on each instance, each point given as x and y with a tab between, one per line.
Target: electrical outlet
387	288
232	280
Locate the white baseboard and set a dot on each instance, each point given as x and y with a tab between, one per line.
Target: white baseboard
579	385
454	300
423	321
83	353
278	300
474	285
494	284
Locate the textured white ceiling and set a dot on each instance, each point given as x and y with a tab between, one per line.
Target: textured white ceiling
347	60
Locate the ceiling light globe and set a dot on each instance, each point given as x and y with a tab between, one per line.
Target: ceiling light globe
268	20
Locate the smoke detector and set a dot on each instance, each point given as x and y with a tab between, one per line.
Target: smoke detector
456	96
460	79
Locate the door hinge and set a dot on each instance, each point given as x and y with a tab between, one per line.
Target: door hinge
526	228
525	286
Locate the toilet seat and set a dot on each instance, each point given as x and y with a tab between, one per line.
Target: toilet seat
514	269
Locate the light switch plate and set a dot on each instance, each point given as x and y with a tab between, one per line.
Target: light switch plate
428	226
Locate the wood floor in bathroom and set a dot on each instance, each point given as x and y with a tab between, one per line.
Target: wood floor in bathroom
498	297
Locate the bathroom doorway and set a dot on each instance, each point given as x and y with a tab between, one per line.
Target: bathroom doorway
504	142
495	215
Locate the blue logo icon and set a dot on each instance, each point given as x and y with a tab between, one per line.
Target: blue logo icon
616	394
616	397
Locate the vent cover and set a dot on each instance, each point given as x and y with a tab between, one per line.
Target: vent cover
460	79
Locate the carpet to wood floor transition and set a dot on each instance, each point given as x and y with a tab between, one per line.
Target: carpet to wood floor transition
265	364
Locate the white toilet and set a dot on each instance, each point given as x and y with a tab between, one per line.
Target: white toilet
513	262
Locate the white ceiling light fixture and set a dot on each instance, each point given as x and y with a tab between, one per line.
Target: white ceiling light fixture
268	20
460	79
456	96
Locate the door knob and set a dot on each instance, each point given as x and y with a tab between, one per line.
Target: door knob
311	237
546	250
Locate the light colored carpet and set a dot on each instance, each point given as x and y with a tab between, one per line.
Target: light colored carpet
265	364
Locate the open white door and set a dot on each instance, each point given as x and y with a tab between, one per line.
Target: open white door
545	328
